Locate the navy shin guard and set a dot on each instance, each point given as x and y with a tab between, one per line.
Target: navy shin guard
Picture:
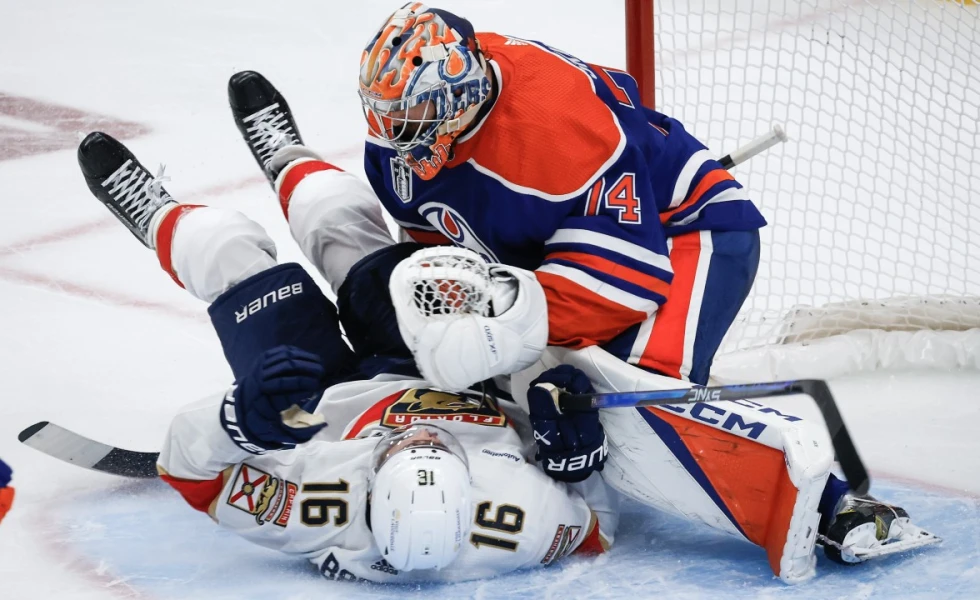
282	305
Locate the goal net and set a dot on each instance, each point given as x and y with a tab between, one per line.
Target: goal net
873	207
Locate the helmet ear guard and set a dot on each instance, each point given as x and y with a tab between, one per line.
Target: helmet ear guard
420	497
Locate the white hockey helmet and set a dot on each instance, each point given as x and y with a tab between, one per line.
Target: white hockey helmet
420	497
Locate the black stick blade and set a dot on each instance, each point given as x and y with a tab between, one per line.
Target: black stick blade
28	433
70	447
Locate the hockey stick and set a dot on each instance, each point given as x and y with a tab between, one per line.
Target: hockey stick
81	451
817	389
754	147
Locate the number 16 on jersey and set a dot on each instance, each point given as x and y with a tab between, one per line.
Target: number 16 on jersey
506	519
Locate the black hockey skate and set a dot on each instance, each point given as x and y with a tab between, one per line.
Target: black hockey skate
865	528
120	182
264	119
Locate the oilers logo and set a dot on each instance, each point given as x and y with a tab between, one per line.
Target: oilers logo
456	66
453	226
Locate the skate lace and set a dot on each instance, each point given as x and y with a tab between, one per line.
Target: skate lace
138	194
154	187
269	131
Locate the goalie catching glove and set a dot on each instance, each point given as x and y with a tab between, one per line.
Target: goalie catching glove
466	320
572	445
270	408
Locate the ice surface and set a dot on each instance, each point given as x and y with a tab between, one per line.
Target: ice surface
99	339
655	555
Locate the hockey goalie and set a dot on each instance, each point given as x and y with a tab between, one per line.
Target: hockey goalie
351	459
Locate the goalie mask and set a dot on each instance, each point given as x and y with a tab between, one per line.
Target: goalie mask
423	80
420	497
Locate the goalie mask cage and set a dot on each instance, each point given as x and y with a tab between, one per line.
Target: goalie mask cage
872	204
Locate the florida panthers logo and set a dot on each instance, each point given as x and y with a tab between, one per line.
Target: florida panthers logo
422	405
453	226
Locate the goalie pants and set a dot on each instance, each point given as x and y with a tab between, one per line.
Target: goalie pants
207	250
713	274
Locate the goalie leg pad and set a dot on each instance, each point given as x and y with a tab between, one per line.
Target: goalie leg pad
279	306
756	475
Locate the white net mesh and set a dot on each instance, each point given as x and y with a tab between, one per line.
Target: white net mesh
449	284
873	196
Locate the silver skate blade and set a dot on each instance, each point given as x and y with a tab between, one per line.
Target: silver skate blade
912	537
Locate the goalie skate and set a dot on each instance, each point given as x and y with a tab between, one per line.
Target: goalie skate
866	528
120	182
264	120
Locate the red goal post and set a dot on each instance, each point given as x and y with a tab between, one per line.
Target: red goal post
639	47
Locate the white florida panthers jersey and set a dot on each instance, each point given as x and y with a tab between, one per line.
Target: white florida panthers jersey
312	501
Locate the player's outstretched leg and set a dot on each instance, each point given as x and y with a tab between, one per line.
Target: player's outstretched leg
265	122
124	185
854	529
206	250
334	216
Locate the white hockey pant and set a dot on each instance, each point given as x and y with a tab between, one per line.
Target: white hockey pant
333	216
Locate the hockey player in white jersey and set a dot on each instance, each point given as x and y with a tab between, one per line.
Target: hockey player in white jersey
447	496
406	482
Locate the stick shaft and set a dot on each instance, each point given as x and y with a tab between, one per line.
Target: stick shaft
760	144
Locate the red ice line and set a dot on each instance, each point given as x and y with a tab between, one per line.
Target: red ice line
106	296
75	231
61	124
92	293
66	120
76	562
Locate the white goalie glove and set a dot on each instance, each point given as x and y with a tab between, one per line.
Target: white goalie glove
466	320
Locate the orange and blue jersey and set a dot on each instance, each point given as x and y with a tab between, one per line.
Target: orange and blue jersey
569	175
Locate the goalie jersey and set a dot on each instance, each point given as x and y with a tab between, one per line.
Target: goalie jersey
313	501
570	175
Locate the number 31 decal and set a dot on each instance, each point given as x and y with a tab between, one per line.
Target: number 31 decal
621	197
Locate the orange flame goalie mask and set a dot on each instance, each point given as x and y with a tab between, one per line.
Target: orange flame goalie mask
423	80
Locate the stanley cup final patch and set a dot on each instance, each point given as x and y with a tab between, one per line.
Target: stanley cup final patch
401	179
